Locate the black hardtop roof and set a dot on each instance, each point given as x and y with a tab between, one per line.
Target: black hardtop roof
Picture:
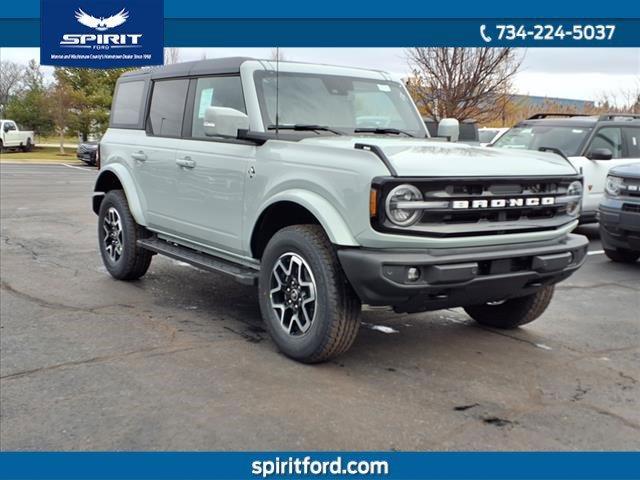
214	66
578	120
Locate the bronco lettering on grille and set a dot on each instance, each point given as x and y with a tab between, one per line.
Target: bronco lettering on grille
503	203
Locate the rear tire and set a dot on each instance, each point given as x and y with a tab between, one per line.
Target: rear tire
309	307
514	312
118	234
622	256
28	147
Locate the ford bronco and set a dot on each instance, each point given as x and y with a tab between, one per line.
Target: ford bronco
321	186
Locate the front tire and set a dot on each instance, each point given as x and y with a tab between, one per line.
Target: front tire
622	256
310	309
514	312
118	234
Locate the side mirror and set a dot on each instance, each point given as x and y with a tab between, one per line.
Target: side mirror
223	121
449	128
600	154
6	128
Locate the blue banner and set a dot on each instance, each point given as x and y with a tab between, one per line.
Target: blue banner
443	466
101	34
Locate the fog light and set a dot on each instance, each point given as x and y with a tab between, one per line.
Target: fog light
413	274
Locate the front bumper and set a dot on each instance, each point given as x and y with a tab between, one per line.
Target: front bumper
459	277
619	228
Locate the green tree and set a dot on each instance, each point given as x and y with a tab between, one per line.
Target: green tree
93	92
30	107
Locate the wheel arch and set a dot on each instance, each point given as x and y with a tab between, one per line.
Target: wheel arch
117	177
295	208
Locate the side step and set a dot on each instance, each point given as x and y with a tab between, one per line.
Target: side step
244	275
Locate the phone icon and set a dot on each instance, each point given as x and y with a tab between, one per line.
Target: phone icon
483	34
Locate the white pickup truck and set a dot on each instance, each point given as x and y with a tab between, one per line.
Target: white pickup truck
12	137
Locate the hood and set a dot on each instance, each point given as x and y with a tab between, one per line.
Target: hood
628	171
416	157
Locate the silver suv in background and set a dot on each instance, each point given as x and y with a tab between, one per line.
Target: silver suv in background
319	184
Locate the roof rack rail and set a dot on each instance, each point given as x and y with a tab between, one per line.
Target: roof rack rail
539	116
613	116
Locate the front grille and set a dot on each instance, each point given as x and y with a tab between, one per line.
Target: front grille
631	207
479	206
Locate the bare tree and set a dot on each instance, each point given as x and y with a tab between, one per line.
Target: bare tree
62	102
462	83
11	76
171	56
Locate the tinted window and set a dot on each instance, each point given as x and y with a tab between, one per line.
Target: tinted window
632	135
127	104
167	107
533	137
215	92
609	138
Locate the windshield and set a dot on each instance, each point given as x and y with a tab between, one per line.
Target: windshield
485	136
568	140
341	103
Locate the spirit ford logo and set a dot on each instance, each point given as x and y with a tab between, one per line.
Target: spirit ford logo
101	24
504	202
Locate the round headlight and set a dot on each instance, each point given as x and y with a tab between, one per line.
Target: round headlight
403	217
574	190
613	185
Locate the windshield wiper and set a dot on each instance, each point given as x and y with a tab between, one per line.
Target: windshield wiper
553	150
382	131
299	127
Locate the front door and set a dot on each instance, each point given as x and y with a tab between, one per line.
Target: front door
612	138
211	171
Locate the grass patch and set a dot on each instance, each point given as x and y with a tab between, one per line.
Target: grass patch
55	140
39	153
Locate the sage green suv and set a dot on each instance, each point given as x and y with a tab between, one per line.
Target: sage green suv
321	186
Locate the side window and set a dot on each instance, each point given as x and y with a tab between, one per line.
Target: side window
11	126
609	138
632	137
215	92
127	104
167	107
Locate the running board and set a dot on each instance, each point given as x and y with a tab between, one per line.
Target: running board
244	275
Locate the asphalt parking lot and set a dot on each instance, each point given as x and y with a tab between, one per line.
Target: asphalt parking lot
180	361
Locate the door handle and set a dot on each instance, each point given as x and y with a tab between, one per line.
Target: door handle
141	156
186	162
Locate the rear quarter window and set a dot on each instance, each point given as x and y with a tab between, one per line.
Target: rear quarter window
128	104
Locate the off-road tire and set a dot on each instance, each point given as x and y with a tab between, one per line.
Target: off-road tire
337	315
514	312
622	256
134	261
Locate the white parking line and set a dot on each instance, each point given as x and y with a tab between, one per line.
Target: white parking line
77	168
596	252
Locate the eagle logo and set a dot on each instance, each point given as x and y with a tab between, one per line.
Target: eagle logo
101	24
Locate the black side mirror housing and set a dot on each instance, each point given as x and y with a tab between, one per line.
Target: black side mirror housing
600	154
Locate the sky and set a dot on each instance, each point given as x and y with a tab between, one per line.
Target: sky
577	73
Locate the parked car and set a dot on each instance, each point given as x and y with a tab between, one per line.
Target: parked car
593	144
489	135
304	198
11	137
619	214
88	152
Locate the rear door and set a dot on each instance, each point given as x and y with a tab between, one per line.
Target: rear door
211	171
154	157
